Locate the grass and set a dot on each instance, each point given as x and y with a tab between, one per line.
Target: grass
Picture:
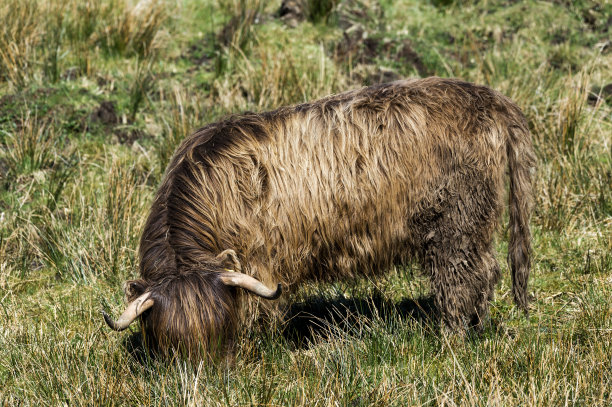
95	97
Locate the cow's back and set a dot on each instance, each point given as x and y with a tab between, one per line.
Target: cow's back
332	188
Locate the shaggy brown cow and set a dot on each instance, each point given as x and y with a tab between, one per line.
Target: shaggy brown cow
348	185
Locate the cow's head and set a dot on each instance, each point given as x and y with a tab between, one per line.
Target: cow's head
193	311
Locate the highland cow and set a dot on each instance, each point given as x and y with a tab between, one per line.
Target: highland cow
346	186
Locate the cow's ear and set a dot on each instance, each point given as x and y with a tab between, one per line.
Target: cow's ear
135	288
229	260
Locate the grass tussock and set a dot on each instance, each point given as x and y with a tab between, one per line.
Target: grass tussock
42	39
94	98
19	37
30	147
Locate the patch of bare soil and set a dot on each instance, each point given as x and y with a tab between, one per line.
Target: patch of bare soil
357	47
291	12
364	45
600	95
71	73
128	136
105	114
597	19
197	55
106	117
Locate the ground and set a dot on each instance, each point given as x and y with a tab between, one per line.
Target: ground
94	98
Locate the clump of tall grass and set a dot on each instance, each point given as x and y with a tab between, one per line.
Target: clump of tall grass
258	70
94	230
187	112
65	33
142	82
570	141
275	74
30	146
137	30
239	32
20	35
318	11
120	212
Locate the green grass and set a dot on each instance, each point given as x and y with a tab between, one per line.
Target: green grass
95	97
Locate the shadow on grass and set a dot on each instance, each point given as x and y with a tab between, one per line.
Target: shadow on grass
315	317
322	317
134	345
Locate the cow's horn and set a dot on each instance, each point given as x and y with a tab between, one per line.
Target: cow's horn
251	284
133	310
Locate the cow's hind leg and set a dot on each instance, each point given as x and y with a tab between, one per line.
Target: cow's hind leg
492	274
463	278
460	260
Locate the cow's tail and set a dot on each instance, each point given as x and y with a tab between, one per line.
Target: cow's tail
521	161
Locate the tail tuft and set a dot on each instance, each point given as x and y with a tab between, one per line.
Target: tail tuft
521	160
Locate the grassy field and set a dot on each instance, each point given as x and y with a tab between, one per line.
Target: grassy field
94	98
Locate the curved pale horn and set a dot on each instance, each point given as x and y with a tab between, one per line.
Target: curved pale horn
133	310
251	284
